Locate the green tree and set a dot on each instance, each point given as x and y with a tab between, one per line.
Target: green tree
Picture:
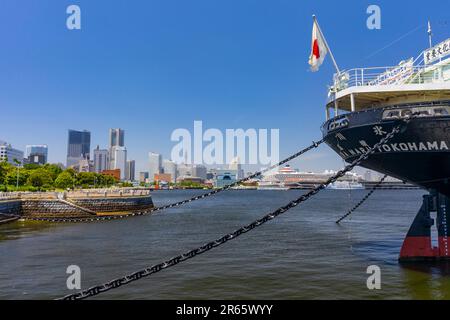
11	177
39	178
31	166
4	168
65	180
106	180
87	178
53	169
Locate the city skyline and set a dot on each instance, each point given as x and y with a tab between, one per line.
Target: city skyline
176	68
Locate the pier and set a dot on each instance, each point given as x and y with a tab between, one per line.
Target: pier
79	203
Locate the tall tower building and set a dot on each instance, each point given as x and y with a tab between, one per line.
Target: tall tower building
155	165
130	170
101	159
119	156
116	139
78	146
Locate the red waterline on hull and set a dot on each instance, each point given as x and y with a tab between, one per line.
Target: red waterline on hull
420	248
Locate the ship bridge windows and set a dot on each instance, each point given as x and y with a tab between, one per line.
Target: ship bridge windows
394	114
424	113
428	111
406	113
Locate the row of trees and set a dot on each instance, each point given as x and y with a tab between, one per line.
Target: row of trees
33	177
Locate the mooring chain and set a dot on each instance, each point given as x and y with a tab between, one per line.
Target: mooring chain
372	190
179	203
93	291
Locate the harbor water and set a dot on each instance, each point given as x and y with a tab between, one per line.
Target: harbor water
303	254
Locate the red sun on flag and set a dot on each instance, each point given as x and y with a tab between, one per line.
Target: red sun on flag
318	48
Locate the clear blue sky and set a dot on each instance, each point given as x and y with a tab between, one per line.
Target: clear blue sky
151	66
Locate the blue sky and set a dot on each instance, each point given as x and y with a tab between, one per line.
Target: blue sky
151	66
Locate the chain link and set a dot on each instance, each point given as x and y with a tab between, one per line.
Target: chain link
176	204
372	190
93	291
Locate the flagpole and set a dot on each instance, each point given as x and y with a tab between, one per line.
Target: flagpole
326	44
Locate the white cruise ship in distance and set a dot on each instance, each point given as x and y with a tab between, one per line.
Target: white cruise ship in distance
287	178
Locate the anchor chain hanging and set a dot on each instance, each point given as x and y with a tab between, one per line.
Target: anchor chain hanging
179	203
93	291
372	190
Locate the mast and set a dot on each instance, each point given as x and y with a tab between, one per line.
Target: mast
326	44
430	34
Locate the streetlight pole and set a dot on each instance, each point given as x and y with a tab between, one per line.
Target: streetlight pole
17	162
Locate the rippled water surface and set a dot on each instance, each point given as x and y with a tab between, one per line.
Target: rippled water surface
302	254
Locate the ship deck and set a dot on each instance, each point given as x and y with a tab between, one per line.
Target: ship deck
366	88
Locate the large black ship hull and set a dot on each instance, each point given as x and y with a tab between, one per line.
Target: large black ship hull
419	154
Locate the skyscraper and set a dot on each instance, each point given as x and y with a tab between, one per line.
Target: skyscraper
101	159
119	156
36	153
116	139
130	170
170	167
78	146
155	165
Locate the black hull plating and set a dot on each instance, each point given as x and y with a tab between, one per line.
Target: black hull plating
419	154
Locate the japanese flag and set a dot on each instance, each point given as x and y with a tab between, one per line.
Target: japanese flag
318	48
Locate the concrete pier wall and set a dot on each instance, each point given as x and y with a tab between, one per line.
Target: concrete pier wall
131	204
11	206
53	208
74	207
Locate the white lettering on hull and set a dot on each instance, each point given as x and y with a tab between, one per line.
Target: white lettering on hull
395	147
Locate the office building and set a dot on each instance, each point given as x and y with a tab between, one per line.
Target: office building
143	176
9	154
155	165
163	177
119	160
170	167
199	171
130	170
235	165
112	173
78	146
184	170
116	139
36	153
101	159
83	165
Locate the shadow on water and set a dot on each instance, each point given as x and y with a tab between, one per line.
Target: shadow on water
18	229
427	280
441	268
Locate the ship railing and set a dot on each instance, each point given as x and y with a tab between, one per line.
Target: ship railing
387	76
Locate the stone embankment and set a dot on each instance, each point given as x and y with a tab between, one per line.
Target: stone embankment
80	203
